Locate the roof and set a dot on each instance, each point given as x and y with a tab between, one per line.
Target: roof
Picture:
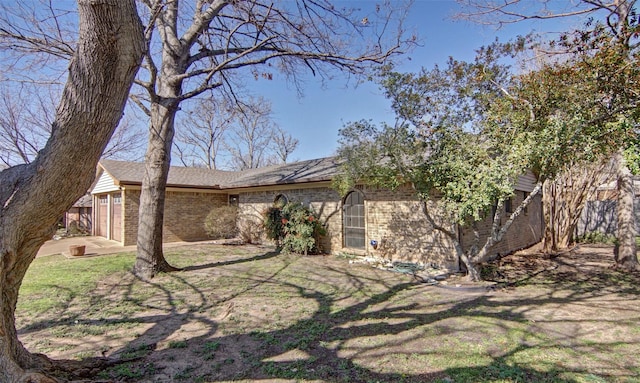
131	173
84	201
322	169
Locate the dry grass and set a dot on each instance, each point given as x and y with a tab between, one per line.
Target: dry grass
248	314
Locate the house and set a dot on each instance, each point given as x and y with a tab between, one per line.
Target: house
393	219
600	213
78	218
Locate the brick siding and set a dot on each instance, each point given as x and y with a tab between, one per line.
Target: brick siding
525	231
184	215
395	220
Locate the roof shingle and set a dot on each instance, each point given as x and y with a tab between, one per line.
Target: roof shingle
321	169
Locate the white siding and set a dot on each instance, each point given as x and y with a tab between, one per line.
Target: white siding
526	182
105	184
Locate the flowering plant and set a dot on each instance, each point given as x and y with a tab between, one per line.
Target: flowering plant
295	227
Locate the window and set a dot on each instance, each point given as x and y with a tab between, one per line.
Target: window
117	199
103	200
280	201
234	200
353	220
507	206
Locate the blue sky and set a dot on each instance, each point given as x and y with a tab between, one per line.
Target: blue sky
316	117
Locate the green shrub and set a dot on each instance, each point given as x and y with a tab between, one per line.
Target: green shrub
597	237
294	227
274	224
221	222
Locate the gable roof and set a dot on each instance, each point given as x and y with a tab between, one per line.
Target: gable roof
317	170
322	169
131	173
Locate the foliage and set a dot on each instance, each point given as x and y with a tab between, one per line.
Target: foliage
597	237
295	227
465	132
250	231
273	224
221	222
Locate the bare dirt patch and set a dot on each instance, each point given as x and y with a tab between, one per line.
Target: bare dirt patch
249	314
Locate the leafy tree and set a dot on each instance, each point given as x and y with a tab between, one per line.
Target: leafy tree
466	132
621	22
35	195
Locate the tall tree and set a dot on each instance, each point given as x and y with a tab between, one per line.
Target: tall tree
252	135
201	134
208	44
621	19
468	130
26	117
565	196
35	195
284	144
232	135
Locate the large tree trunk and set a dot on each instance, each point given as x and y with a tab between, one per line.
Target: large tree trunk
625	254
150	258
34	196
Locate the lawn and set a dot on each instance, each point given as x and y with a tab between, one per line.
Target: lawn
246	313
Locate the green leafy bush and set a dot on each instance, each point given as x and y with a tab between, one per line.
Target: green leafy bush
597	237
295	228
221	222
273	224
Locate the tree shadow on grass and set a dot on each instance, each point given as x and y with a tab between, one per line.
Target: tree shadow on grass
363	326
258	257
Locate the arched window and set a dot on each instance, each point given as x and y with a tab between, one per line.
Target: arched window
280	201
353	220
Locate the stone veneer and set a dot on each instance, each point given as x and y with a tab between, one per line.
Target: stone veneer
184	215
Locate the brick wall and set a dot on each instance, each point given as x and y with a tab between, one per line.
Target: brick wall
184	215
524	232
393	218
324	201
396	221
130	208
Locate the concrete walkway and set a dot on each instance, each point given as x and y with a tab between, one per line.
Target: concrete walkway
98	246
94	246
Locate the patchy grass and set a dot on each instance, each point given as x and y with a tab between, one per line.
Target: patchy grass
248	314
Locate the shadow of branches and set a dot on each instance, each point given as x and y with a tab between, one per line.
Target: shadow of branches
279	316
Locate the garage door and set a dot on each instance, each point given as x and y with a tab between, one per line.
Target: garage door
116	217
103	210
